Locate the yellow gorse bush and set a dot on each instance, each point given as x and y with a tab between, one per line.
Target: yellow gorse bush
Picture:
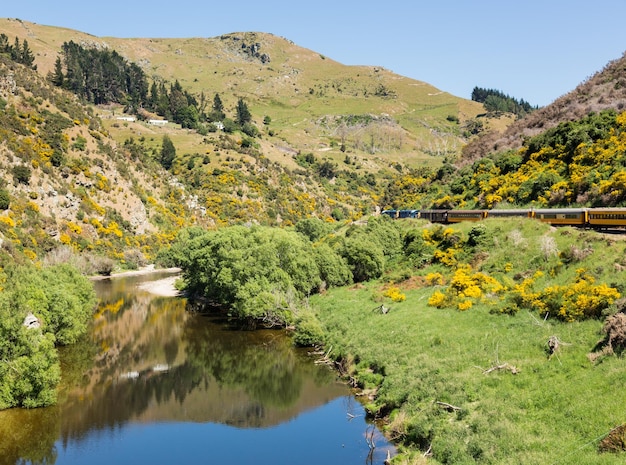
466	287
578	300
434	279
395	294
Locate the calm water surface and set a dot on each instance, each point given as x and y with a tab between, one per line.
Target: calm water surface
156	384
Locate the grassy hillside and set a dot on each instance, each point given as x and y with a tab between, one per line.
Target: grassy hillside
298	88
332	139
461	368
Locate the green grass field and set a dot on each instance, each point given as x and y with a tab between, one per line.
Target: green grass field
478	386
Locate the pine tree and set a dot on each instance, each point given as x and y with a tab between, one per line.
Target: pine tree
58	79
168	153
218	109
26	56
243	114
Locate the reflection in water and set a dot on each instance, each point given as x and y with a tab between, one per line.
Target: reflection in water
148	361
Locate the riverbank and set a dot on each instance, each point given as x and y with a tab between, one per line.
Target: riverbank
139	272
162	287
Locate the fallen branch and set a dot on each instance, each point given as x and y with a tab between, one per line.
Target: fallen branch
448	407
505	366
325	358
369	437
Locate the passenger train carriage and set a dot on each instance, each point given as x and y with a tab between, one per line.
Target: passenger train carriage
562	216
598	218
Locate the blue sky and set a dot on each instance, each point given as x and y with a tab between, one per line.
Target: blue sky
530	49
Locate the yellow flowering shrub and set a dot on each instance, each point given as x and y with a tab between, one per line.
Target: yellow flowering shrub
578	300
466	287
434	279
395	294
438	300
8	221
75	228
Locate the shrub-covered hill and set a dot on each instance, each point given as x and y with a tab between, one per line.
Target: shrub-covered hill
332	139
605	90
65	181
574	163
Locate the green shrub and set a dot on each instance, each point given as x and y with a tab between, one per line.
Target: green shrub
309	331
365	259
5	199
21	174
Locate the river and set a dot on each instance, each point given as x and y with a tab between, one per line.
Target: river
154	383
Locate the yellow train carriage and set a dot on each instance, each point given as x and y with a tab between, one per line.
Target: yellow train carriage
562	216
607	217
509	213
456	216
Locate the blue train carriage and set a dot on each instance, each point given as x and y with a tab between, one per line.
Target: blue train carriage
434	216
408	214
390	213
601	218
509	213
456	216
562	216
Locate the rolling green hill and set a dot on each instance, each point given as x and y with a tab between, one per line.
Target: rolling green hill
298	88
332	137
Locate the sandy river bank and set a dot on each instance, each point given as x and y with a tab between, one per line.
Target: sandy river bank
163	287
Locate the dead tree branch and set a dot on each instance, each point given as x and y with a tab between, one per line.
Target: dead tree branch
504	366
448	407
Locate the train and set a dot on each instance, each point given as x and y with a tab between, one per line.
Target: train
596	218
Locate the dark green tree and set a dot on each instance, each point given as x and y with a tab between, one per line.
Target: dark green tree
243	114
168	153
57	78
21	174
365	259
5	199
26	56
218	109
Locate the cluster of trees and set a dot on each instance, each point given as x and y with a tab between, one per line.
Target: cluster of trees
103	76
19	53
100	76
261	274
39	309
496	101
